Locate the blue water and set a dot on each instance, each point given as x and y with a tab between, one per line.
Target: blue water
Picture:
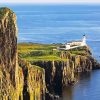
87	88
58	24
61	23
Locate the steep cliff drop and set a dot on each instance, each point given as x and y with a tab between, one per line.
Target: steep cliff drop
9	80
61	73
18	81
34	81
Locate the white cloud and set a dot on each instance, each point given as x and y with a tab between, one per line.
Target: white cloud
50	1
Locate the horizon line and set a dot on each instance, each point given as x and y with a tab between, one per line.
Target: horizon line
53	3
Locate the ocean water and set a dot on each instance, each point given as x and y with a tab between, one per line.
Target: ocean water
87	88
59	24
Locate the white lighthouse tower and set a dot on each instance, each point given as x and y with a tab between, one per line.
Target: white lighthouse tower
83	41
73	44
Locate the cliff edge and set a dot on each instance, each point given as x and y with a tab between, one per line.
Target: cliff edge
60	73
9	80
18	81
40	68
61	66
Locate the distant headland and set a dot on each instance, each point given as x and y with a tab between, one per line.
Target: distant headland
37	71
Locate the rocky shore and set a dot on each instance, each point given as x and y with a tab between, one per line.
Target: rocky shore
36	71
63	73
61	67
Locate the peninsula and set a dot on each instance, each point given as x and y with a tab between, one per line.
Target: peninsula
31	71
60	66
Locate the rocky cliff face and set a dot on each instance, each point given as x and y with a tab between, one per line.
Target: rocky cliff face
20	80
8	55
17	81
34	81
63	73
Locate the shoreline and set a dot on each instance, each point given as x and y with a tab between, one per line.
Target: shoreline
59	71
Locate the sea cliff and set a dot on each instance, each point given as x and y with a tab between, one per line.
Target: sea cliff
61	67
18	79
36	71
60	73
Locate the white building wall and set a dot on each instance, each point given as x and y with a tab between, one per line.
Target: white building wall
74	44
67	46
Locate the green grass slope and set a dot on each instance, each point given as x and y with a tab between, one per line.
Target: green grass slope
33	51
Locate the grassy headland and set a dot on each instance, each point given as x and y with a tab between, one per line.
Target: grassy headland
34	51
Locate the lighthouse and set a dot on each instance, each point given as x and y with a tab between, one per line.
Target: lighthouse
84	41
73	44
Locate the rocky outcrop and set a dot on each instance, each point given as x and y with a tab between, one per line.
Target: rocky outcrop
18	81
34	81
9	80
63	73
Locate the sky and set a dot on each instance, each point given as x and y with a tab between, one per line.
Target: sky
50	1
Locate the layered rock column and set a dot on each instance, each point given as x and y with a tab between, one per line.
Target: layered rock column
8	43
9	80
18	79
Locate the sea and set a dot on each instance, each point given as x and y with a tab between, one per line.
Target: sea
55	23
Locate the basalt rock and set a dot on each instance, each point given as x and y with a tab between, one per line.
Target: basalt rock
34	81
60	73
9	71
18	80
